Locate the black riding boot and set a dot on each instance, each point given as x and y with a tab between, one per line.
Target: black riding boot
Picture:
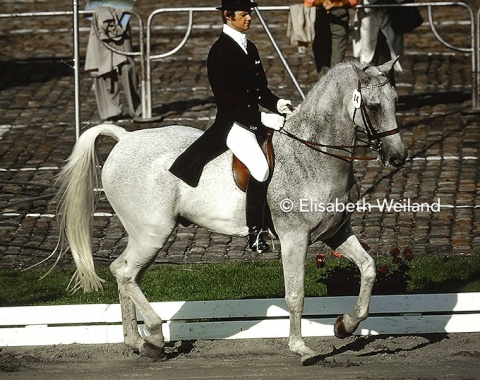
256	199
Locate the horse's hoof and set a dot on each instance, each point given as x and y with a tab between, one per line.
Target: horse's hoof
340	330
310	359
153	349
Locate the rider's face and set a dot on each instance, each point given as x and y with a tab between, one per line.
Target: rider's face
241	20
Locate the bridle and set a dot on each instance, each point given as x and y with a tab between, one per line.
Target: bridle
373	137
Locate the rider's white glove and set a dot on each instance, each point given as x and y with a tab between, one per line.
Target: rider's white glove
272	120
282	106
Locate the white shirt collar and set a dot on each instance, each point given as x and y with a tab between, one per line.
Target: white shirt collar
237	36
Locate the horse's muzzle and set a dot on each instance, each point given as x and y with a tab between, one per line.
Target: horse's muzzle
397	160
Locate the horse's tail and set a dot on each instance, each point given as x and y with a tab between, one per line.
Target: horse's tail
77	197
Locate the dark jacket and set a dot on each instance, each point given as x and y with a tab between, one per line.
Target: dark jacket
239	85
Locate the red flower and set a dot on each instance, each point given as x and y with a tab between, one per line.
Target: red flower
383	270
408	254
320	260
395	252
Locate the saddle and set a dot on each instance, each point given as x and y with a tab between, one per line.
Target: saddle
240	171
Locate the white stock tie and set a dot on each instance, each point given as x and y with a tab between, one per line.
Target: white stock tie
244	42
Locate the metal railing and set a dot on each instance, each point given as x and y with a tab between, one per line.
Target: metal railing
473	49
145	55
191	10
76	55
474	37
477	51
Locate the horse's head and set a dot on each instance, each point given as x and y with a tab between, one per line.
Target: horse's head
373	109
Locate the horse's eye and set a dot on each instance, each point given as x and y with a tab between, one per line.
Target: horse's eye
374	107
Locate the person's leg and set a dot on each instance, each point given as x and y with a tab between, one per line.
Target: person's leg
382	51
107	95
255	213
244	146
322	42
129	82
339	31
382	55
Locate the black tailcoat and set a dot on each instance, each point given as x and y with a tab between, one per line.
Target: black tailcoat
239	84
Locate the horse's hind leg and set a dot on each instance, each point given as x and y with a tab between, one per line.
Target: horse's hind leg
346	243
128	269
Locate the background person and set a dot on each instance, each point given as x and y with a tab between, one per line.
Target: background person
112	71
331	33
374	40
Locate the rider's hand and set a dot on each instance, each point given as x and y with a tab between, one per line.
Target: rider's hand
283	106
272	121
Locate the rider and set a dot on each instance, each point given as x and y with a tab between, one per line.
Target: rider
239	84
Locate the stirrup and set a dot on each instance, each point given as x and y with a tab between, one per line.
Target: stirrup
270	235
260	245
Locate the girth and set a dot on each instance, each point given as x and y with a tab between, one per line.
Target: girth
241	172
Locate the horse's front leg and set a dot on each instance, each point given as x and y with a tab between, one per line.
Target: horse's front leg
346	243
293	261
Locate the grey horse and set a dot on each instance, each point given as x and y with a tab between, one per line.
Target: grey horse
313	161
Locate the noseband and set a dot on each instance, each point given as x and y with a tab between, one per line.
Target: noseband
374	138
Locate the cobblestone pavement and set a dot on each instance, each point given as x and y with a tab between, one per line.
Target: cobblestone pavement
37	133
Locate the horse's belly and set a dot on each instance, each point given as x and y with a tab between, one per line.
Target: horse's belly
216	203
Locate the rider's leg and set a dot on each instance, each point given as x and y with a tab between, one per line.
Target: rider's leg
244	146
255	212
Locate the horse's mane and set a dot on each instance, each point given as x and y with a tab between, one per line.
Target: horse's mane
326	94
340	78
325	101
332	83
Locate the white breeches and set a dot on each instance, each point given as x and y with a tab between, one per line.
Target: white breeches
244	146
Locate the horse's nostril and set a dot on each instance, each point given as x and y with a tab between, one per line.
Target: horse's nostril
395	161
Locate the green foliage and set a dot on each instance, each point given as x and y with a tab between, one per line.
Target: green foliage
449	274
32	287
425	274
221	281
213	281
422	274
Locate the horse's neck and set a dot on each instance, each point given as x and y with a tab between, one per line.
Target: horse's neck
323	119
310	164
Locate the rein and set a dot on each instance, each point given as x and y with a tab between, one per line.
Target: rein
373	136
316	147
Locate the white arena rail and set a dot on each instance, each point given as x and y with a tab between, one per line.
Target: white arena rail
240	319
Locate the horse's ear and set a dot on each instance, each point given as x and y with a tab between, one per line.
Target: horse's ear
388	66
359	70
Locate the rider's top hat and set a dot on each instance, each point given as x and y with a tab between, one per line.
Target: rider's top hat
237	5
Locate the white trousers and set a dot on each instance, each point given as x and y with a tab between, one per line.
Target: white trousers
244	146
